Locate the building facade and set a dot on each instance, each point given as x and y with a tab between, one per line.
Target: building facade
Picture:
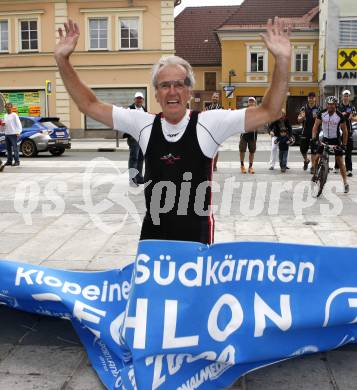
120	41
338	47
246	63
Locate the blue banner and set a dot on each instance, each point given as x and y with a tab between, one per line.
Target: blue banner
189	316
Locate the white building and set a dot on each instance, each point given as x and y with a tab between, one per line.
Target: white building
338	47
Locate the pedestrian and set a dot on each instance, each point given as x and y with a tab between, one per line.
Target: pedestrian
2	164
274	130
248	140
215	106
283	141
350	114
179	145
307	115
136	158
13	129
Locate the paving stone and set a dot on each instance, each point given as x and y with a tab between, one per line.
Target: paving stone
5	350
344	368
308	373
83	245
31	382
85	378
9	242
42	360
338	237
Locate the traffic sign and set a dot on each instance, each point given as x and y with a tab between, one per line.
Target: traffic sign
229	91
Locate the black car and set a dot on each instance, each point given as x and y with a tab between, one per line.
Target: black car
297	131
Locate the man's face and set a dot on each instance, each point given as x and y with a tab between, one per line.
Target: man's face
331	108
172	93
346	99
252	103
8	108
215	98
139	101
311	100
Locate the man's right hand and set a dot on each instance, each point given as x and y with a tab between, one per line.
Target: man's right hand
67	42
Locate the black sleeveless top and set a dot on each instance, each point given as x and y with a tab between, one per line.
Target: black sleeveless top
178	198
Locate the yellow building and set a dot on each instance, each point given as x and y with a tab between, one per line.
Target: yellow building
246	63
120	41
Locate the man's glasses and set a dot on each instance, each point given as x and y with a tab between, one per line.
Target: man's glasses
177	84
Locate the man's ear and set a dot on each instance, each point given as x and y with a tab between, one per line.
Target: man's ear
156	96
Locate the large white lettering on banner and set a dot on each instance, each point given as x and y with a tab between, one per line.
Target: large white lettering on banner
186	316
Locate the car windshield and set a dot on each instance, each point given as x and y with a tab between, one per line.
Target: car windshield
53	124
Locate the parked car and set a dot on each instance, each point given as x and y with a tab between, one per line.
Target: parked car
297	131
41	134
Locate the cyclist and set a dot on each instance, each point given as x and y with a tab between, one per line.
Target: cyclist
350	114
307	116
331	121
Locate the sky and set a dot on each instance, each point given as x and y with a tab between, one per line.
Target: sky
198	3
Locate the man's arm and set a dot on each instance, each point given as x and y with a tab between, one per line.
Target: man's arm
277	42
344	133
19	125
83	96
316	128
301	116
354	114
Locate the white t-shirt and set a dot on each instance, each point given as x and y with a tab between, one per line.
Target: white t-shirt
213	127
12	124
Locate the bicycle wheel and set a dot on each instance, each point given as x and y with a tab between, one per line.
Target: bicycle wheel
320	180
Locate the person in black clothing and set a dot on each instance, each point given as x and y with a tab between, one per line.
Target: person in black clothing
307	116
179	145
350	114
215	106
283	141
248	140
136	157
274	130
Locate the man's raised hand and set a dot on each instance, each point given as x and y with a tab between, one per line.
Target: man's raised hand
67	39
277	39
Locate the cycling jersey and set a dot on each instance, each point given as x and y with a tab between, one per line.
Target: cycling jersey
330	124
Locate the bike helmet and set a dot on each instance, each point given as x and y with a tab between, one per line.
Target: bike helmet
331	100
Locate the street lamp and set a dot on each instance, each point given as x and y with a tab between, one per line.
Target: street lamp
231	74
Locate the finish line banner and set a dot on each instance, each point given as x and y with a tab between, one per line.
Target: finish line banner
187	316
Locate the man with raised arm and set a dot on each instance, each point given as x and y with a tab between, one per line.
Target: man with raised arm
179	145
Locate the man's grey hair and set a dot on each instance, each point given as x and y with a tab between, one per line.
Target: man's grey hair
172	60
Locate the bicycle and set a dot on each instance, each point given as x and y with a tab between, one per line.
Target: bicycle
320	177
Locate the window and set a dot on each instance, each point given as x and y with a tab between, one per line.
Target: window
129	36
210	81
98	33
4	35
301	62
348	32
29	35
257	62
